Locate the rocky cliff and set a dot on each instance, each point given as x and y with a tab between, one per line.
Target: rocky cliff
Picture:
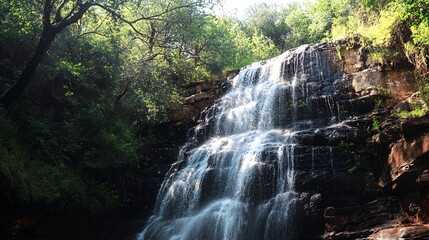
200	95
383	194
367	176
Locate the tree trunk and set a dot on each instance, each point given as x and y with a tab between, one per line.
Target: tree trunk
13	93
119	97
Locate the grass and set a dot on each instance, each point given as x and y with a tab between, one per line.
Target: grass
412	114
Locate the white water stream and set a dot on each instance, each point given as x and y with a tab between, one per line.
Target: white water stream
238	184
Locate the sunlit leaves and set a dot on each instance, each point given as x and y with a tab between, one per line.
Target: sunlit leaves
268	20
76	70
18	18
420	34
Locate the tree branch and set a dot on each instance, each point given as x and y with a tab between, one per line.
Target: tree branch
58	17
74	17
152	57
95	31
72	10
70	19
164	12
119	97
155	16
47	8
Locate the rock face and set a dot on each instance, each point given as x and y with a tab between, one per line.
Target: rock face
408	162
408	232
359	172
200	96
392	164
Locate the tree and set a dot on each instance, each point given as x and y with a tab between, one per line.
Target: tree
58	15
290	25
298	21
267	19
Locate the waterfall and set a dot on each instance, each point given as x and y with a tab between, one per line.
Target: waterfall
235	178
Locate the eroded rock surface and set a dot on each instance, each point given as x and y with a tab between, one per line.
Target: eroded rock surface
361	172
201	95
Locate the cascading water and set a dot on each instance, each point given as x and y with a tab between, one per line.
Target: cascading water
235	178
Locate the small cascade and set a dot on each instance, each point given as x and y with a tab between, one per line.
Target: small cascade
235	179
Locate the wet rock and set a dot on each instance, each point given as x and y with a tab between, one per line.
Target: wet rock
351	182
415	126
308	215
363	217
201	95
189	100
402	232
408	163
366	80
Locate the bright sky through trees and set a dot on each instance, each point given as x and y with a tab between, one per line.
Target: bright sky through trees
237	7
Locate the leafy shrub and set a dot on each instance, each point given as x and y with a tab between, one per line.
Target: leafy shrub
37	172
50	142
111	150
420	34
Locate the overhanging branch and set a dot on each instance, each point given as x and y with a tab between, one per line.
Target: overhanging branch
152	17
58	17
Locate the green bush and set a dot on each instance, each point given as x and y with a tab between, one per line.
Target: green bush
112	149
37	171
420	34
50	142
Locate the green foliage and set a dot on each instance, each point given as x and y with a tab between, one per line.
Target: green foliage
112	149
338	48
19	18
372	24
353	169
297	21
346	145
375	4
414	11
297	105
76	70
349	148
300	104
378	103
295	24
60	187
383	90
420	34
424	90
379	56
13	179
419	112
218	44
287	26
321	15
26	177
44	156
375	126
420	106
267	20
373	19
49	144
